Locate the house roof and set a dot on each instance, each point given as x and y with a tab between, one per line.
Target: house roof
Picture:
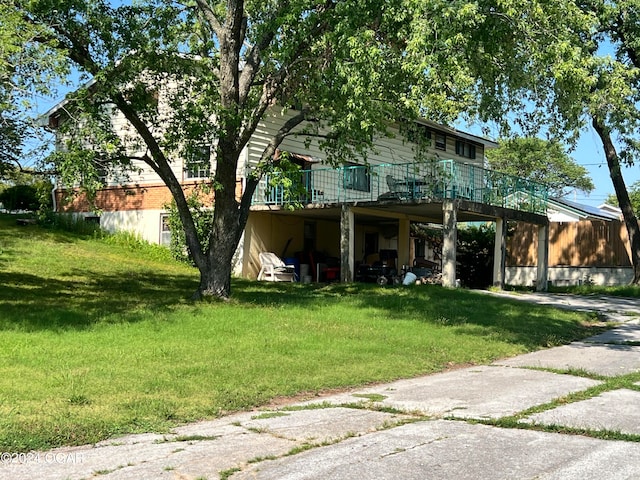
581	211
611	209
458	133
44	121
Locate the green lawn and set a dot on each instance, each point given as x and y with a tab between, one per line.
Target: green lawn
98	337
631	291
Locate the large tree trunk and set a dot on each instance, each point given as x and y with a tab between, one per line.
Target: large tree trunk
229	220
215	277
630	220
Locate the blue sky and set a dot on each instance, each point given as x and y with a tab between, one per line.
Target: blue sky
590	154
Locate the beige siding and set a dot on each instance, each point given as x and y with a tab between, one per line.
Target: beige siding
142	174
394	149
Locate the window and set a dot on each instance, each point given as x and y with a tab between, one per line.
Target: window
165	231
423	136
100	172
198	172
198	162
356	177
418	133
465	149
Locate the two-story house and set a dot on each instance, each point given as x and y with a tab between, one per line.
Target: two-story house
345	215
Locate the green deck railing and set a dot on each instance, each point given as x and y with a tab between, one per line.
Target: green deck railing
431	181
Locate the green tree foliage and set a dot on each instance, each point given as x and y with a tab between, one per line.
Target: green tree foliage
597	84
19	197
27	68
25	190
543	161
342	70
568	65
348	68
27	197
614	103
634	197
475	255
203	220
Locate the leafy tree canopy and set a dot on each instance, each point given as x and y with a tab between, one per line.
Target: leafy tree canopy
543	161
28	69
343	71
634	197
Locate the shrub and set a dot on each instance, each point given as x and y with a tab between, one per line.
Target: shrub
203	219
33	197
20	197
475	256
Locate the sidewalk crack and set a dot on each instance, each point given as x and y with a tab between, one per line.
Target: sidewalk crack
398	451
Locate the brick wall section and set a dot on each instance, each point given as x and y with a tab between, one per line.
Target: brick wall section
114	199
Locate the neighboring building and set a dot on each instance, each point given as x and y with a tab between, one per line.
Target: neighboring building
586	245
348	212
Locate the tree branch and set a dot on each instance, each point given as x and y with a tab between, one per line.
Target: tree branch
210	17
253	57
158	162
621	30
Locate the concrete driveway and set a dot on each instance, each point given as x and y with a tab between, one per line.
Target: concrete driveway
544	415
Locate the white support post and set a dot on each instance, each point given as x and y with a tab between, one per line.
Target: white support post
450	236
404	241
347	244
543	258
499	253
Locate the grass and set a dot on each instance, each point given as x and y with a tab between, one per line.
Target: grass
98	338
627	381
632	291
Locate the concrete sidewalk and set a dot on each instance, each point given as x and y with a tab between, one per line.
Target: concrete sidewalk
433	427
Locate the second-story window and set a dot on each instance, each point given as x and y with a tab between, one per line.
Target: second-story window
441	141
356	177
198	163
418	133
465	149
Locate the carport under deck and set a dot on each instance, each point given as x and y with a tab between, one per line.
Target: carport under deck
443	193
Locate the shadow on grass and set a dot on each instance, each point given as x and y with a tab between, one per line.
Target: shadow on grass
466	311
29	302
9	232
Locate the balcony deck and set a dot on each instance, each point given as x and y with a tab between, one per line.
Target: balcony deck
427	181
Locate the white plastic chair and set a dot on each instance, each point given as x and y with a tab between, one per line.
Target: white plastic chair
273	269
